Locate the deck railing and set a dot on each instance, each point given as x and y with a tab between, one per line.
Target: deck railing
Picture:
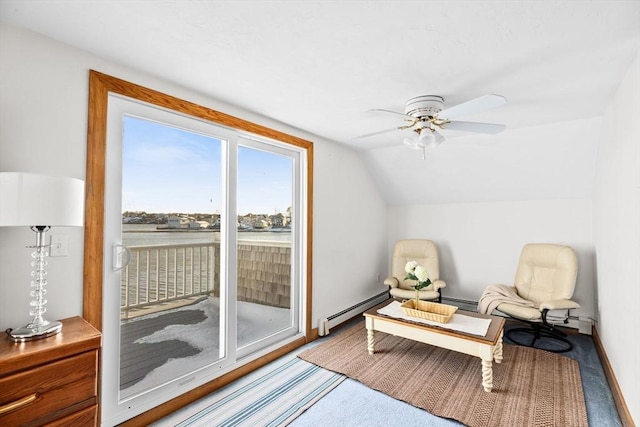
164	273
161	274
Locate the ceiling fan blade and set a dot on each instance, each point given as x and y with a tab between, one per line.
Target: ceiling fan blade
376	133
490	128
476	105
407	117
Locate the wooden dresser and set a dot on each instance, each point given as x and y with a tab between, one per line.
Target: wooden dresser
52	381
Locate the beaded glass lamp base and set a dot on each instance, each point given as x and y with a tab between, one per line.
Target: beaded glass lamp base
32	332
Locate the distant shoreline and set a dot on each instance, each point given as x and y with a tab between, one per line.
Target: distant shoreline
205	230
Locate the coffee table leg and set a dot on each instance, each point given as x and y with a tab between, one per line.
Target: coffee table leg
370	340
497	356
487	375
487	353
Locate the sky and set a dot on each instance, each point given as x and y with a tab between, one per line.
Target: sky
168	169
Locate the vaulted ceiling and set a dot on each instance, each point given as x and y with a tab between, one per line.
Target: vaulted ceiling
321	66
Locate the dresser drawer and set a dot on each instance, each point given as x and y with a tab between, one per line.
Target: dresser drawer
49	392
85	418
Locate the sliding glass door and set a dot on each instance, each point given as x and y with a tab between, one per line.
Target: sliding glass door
267	298
203	250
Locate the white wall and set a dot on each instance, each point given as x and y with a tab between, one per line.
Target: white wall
616	207
351	223
480	243
43	126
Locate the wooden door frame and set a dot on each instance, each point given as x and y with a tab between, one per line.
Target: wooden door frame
100	86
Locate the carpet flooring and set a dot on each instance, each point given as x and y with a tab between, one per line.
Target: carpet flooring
271	399
531	387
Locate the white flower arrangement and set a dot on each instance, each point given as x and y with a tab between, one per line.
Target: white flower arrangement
419	274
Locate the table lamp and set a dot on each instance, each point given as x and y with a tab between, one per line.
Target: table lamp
39	202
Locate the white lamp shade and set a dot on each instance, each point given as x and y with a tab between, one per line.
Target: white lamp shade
28	199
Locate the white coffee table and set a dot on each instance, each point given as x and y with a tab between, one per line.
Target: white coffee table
488	348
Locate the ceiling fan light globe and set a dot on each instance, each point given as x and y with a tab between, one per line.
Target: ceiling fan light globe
427	138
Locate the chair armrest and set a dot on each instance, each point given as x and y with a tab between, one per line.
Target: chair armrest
391	281
438	284
559	304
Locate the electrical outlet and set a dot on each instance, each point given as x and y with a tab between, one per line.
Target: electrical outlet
378	278
59	246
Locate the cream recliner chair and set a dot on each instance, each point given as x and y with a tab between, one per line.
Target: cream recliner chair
423	252
545	280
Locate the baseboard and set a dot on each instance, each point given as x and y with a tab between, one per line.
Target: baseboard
313	335
618	398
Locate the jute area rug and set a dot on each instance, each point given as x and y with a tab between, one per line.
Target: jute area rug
530	387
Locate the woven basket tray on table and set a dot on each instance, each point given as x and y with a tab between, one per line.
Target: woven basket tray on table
429	310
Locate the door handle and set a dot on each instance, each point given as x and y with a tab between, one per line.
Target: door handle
121	256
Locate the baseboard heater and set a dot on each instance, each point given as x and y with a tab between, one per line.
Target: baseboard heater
325	324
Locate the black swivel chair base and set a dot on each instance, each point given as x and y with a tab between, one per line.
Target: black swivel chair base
537	332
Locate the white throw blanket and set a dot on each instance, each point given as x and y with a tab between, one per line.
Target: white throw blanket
495	295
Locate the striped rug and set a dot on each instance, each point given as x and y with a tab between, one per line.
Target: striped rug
272	399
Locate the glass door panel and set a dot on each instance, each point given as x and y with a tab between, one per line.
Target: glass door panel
170	287
265	300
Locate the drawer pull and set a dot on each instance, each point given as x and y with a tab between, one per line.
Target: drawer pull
18	403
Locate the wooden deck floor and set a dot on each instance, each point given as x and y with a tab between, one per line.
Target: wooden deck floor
138	359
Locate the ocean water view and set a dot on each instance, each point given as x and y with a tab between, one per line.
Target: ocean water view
146	234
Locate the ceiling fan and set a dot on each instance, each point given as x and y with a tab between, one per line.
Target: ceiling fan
425	115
